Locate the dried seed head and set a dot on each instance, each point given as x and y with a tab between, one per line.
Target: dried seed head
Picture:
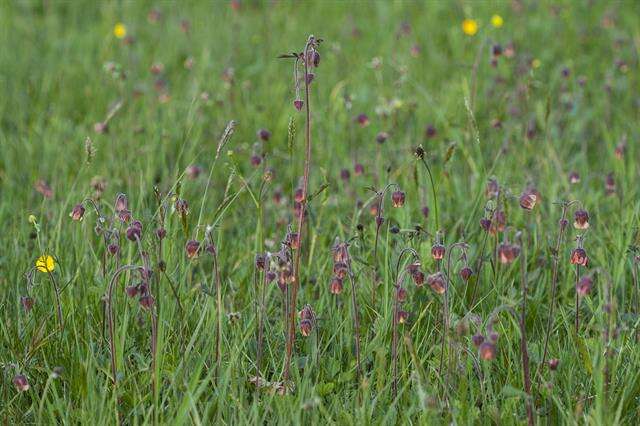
397	199
430	131
256	160
581	219
192	247
340	270
584	285
124	216
260	261
336	286
77	213
418	278
528	200
298	196
493	189
465	273
425	212
345	175
114	248
437	283
182	207
307	313
579	257
610	184
487	351
293	240
358	169
340	253
437	251
21	383
121	203
485	224
161	233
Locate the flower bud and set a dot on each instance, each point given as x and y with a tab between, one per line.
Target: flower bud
306	326
27	303
553	364
477	340
264	135
403	317
465	273
113	249
147	301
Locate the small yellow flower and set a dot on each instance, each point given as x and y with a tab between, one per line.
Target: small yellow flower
497	21
32	219
470	27
119	30
45	263
536	63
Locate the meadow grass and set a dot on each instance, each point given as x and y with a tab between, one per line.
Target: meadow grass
164	102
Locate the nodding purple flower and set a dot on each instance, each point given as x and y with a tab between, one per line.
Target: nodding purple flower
193	171
553	364
584	285
610	184
437	251
77	213
358	169
298	103
306	327
493	189
477	340
485	224
507	253
382	137
134	231
345	175
293	240
114	248
336	286
397	198
425	212
310	77
121	203
363	120
487	351
528	200
401	294
298	195
147	301
182	207
340	270
581	219
124	216
437	283
418	278
264	135
21	383
465	273
27	303
131	290
256	160
260	261
579	257
574	178
496	50
192	247
403	317
101	127
161	233
430	131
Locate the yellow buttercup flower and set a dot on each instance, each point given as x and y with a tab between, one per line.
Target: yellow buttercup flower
536	63
119	30
45	263
497	21
470	27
